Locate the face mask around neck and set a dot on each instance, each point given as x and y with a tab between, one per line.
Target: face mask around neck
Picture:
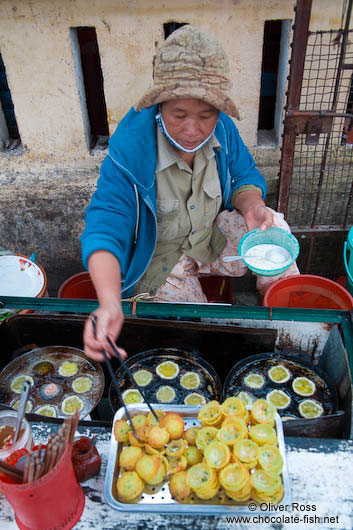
165	133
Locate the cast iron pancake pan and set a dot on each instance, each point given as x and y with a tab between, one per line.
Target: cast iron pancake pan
325	391
56	355
210	385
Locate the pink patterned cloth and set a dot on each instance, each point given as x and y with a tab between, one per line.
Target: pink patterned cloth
183	285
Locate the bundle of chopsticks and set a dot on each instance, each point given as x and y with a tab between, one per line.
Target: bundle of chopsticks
44	459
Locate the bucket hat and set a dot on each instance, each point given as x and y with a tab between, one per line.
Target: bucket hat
190	64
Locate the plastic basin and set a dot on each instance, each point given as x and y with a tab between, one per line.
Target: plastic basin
78	286
308	291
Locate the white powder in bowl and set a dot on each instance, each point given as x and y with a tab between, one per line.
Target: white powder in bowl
268	257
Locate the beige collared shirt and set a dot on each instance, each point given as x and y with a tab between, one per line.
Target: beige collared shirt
188	202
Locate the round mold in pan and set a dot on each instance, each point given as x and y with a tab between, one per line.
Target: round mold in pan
325	389
210	385
56	355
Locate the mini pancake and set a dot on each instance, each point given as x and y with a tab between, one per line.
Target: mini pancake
234	476
233	430
217	455
121	430
242	495
278	398
176	464
303	386
247	397
129	457
190	380
136	442
139	420
178	486
151	420
50	391
47	410
17	382
263	411
43	368
29	405
200	476
167	370
142	377
68	369
263	433
129	486
71	404
174	423
82	384
204	436
131	396
176	447
263	482
194	399
165	394
142	432
247	451
279	374
310	408
254	380
190	435
211	414
233	405
193	455
158	436
270	459
270	499
151	468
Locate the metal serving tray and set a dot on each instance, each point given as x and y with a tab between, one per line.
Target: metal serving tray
158	499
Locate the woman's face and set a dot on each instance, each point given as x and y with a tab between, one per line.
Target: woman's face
189	121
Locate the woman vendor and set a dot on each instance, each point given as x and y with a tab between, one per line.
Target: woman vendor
177	190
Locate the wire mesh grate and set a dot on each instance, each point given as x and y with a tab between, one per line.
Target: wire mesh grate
321	185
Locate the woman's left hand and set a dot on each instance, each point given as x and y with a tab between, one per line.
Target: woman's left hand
258	216
250	204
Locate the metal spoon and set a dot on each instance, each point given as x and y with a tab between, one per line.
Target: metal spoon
276	256
22	408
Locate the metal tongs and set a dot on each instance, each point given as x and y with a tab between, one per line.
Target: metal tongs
128	373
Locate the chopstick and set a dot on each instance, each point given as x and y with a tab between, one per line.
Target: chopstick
112	375
131	377
11	471
43	460
126	369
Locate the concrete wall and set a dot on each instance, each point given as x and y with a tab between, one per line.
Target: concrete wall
46	184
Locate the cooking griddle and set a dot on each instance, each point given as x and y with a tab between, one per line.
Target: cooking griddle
56	355
325	390
210	384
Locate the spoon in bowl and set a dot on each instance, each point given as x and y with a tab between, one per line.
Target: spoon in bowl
274	255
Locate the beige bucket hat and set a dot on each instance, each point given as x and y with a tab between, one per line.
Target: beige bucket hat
190	64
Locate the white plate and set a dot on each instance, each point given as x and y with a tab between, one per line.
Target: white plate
20	277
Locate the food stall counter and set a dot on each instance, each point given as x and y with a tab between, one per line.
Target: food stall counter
320	472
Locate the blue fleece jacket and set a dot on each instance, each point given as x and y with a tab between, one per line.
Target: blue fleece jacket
121	217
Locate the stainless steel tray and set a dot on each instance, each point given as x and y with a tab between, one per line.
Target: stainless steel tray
158	499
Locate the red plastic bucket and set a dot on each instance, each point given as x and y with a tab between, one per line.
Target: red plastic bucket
78	286
217	288
54	501
308	291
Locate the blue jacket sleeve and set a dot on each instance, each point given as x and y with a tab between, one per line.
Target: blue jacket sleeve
242	168
110	216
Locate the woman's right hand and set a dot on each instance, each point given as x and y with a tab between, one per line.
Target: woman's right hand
109	321
104	269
